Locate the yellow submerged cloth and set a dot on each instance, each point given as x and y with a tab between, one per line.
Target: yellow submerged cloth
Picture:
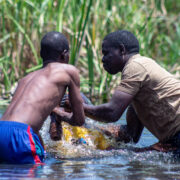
90	137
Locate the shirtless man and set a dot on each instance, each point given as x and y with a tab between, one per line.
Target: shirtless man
36	96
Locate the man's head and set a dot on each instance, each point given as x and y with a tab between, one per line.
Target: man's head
54	48
117	47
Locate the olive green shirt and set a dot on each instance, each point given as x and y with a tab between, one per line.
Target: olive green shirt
156	95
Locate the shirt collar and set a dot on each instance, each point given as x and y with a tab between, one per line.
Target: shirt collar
131	58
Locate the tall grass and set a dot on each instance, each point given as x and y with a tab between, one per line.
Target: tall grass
156	23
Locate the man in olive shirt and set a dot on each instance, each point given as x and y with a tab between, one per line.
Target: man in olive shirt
151	94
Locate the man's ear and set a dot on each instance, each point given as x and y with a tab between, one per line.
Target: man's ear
62	56
65	56
122	49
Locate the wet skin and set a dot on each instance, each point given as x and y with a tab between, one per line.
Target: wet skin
40	92
114	60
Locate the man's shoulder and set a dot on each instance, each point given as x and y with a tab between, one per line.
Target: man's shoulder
72	73
135	64
139	63
29	76
67	71
65	68
140	59
71	70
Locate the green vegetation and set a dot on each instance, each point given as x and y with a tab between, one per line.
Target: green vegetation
156	23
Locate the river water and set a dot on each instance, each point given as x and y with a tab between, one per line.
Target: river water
121	163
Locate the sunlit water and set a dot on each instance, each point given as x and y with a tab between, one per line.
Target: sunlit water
97	164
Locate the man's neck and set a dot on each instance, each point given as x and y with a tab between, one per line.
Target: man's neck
130	55
127	58
49	62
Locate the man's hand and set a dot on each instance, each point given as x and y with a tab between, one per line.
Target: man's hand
65	103
62	115
56	109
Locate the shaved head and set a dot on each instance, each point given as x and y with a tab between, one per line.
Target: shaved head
52	45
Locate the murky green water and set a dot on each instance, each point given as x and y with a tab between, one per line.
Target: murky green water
97	164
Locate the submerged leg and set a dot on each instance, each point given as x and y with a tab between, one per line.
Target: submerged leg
160	147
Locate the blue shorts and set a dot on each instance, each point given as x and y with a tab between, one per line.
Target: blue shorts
19	144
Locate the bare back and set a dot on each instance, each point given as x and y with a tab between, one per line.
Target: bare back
39	92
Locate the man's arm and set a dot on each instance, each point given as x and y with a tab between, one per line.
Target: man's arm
109	112
75	99
130	132
76	118
134	126
62	115
112	111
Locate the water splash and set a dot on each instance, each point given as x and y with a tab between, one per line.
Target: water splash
68	150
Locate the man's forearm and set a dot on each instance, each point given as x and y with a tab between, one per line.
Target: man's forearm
101	113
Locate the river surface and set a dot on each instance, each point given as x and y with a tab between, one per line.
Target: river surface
121	163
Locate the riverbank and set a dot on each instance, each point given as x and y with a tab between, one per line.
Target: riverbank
85	23
7	96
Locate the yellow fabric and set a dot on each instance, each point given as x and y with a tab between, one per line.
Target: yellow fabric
97	138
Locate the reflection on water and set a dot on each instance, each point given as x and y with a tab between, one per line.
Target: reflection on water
97	164
114	167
